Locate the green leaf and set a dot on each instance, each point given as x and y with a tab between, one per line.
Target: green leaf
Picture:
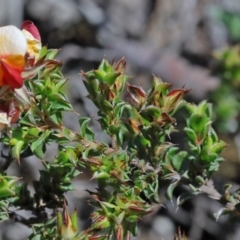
208	156
17	149
95	85
178	159
33	132
170	190
7	187
51	54
144	141
111	77
218	147
100	74
74	219
184	197
204	108
113	129
85	131
133	228
37	146
106	105
100	175
43	52
57	118
191	134
91	89
200	180
118	109
19	133
61	105
173	98
192	108
163	88
120	137
105	66
199	123
151	112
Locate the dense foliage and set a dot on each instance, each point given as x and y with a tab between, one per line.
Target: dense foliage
140	161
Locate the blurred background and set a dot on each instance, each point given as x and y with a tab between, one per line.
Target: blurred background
182	41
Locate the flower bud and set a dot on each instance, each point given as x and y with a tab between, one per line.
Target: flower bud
7	187
137	94
33	38
67	225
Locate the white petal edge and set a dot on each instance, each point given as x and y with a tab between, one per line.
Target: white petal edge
12	41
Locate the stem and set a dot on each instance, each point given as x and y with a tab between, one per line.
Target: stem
114	141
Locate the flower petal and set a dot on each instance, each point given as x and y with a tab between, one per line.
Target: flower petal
32	35
13	47
10	75
4	121
31	28
12	41
34	46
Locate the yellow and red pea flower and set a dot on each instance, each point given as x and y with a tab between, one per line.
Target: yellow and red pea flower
16	47
32	35
13	47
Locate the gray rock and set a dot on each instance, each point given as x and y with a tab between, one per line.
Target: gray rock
164	227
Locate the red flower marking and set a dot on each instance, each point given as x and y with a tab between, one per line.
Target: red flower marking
30	27
10	76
